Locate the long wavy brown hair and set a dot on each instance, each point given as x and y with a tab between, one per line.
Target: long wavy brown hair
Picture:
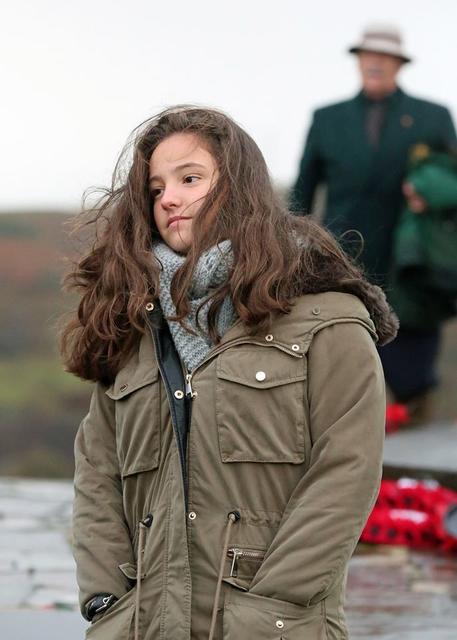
277	256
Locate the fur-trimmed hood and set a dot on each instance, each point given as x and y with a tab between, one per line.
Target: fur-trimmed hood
382	315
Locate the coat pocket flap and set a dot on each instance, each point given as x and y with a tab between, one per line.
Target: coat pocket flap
129	569
138	467
125	385
260	368
270	618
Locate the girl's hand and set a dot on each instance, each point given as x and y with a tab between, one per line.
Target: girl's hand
416	203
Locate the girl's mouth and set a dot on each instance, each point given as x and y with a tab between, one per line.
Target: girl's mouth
174	220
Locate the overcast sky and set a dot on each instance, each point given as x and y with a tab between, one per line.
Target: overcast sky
77	77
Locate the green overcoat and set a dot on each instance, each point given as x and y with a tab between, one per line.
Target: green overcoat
363	181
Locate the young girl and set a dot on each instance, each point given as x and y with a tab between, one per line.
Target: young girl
233	446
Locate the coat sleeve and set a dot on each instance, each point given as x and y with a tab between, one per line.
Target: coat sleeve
101	540
310	174
329	507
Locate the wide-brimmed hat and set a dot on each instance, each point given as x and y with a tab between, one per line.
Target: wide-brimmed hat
381	38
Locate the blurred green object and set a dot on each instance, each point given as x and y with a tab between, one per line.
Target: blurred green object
423	283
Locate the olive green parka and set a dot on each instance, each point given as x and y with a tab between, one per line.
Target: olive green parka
284	457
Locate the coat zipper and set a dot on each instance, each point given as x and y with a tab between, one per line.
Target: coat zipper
249	554
173	420
190	393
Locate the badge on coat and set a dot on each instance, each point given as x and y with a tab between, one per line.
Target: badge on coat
406	121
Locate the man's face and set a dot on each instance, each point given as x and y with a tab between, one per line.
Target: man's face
379	73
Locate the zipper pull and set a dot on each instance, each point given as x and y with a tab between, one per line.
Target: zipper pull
236	553
189	391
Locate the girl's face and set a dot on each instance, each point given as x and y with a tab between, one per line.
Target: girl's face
181	172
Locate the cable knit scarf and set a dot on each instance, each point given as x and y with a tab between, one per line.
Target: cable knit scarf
212	270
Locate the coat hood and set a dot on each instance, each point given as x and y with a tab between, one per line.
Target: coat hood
384	319
381	313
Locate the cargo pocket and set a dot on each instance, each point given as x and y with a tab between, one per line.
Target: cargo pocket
137	421
248	616
260	405
117	622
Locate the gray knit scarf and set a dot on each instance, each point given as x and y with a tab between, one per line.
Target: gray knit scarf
211	271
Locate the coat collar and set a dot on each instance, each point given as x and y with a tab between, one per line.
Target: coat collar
390	100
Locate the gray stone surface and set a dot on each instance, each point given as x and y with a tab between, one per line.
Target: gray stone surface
423	452
392	592
41	625
37	570
430	447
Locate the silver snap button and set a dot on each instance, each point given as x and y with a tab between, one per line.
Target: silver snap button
192	515
260	376
280	624
269	337
150	306
179	395
123	387
295	347
316	311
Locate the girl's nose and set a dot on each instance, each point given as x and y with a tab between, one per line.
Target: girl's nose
170	197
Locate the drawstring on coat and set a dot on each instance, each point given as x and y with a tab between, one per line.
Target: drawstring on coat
233	516
143	525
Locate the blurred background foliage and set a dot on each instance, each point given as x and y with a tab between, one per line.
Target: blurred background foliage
40	404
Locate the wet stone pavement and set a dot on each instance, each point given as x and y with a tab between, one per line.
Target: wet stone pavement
393	593
397	594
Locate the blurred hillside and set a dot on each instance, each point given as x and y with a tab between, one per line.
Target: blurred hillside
41	405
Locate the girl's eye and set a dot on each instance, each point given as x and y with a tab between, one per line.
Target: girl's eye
155	193
190	179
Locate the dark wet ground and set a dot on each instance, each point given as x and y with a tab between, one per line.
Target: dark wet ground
393	593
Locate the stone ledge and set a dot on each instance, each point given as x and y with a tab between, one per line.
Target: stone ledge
424	452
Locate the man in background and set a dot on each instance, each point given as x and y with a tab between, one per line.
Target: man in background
359	150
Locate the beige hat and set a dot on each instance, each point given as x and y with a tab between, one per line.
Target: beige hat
381	38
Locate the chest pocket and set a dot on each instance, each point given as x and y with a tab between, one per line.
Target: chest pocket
137	420
260	405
